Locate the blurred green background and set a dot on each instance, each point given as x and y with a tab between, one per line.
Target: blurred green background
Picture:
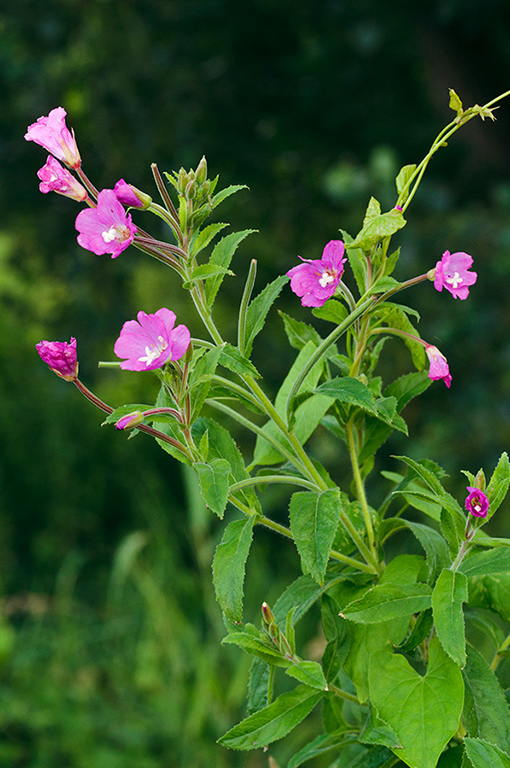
109	638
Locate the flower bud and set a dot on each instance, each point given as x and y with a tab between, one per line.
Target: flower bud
201	172
182	181
191	190
131	196
480	480
130	421
267	615
60	356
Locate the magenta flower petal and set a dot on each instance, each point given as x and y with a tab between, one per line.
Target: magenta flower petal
150	341
315	281
107	228
60	356
55	178
131	196
52	133
452	273
477	502
438	365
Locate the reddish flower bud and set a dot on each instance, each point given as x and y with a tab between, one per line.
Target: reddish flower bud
60	356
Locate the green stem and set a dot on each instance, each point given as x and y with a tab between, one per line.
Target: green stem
273	479
345	695
360	486
321	351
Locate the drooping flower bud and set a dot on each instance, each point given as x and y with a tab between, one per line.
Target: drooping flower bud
438	365
130	421
129	195
60	356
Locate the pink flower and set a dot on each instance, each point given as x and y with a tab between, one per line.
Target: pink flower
52	133
107	228
452	273
61	357
149	342
131	196
317	280
477	502
438	365
55	178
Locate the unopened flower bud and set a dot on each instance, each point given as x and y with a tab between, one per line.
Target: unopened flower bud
182	181
267	615
131	196
130	421
201	172
191	190
480	480
60	356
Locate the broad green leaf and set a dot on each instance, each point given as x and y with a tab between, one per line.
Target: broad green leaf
308	672
373	211
450	592
403	177
486	563
403	570
423	711
313	521
434	545
333	311
425	502
389	601
444	498
485	708
365	640
349	391
384	284
485	755
229	567
223	252
498	484
258	686
378	227
322	745
408	386
258	309
232	359
375	757
376	731
491	592
273	722
213	478
299	333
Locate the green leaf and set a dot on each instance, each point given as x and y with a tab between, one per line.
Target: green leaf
491	592
313	521
434	545
486	563
214	478
419	632
300	595
485	708
408	386
384	284
229	566
396	316
299	333
258	686
498	484
200	379
423	711
447	598
205	236
219	197
349	391
389	601
258	309
376	731
403	177
485	755
222	255
378	227
273	722
333	311
251	640
206	272
232	359
357	262
125	410
455	103
308	672
321	745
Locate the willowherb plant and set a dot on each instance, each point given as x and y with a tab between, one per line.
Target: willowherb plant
398	683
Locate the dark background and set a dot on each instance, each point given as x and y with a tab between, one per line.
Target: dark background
110	636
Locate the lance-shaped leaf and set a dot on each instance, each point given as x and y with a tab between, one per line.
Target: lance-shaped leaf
434	545
349	391
486	563
223	254
313	521
485	708
213	478
229	566
447	598
389	601
324	744
498	484
273	722
423	711
258	309
485	755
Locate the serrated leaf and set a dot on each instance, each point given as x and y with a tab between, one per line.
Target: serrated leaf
222	255
219	197
300	596
379	227
232	359
206	272
433	703
258	686
322	745
273	722
434	545
407	387
403	177
498	484
357	262
214	482
333	311
205	236
298	332
450	592
308	672
389	601
486	563
485	755
229	566
313	521
258	309
486	708
350	391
